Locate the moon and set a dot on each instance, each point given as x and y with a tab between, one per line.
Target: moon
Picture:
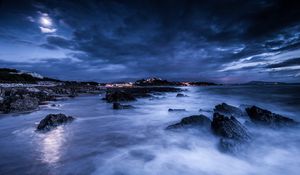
46	21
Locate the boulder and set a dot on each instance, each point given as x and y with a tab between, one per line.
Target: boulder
233	134
120	106
116	96
228	110
19	104
267	118
53	120
199	121
176	110
229	127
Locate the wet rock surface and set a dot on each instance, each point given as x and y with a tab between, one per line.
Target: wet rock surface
233	134
264	117
132	93
176	110
181	95
118	106
229	127
21	99
18	102
228	110
53	120
116	96
199	121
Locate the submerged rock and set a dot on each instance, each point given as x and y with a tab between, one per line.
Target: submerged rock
53	120
233	134
176	110
181	95
200	121
228	110
267	118
120	106
116	96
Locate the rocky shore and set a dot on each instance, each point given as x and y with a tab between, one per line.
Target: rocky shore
20	99
234	135
224	123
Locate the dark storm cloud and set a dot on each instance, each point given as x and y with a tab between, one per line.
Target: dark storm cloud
208	39
277	15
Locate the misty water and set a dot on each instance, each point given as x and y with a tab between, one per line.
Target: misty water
135	142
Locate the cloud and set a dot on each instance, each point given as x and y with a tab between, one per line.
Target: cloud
192	40
57	41
286	63
30	18
47	30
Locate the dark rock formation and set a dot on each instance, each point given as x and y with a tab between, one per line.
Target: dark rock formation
176	110
23	91
18	104
228	127
116	96
120	106
181	95
228	110
146	91
131	93
201	84
15	76
264	117
53	120
199	121
233	134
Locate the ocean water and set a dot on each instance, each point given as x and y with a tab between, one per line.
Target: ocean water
134	142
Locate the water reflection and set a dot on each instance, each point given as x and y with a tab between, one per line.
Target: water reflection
51	145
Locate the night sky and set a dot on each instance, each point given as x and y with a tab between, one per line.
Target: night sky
230	41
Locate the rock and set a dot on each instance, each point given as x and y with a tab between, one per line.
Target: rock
53	120
25	104
266	118
228	110
231	146
229	127
233	134
19	104
117	96
73	95
120	106
199	121
180	95
55	105
141	92
176	110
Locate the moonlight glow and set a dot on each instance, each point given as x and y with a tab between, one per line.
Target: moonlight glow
46	21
